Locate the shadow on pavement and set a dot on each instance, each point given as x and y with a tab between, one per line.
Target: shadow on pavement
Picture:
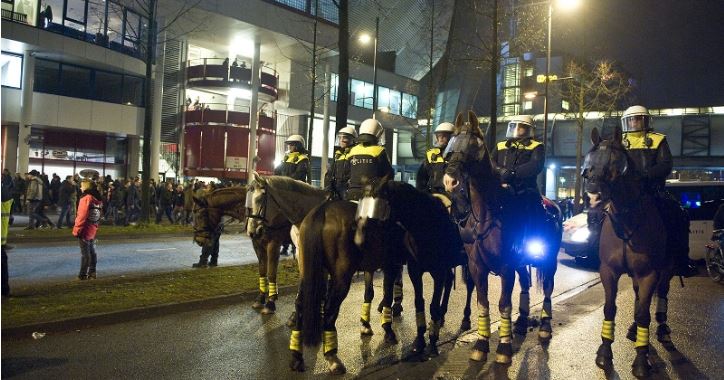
571	263
680	364
17	366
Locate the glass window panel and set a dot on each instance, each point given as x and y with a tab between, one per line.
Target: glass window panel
75	11
115	23
116	148
133	32
51	14
25	7
132	90
383	98
75	81
12	70
108	87
361	94
409	106
47	76
395	100
334	84
96	18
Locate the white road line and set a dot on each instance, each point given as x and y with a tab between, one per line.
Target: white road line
156	249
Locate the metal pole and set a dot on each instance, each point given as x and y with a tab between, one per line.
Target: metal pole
548	73
374	68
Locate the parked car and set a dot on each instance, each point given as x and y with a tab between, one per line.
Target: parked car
699	198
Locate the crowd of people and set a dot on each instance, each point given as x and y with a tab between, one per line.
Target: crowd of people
35	193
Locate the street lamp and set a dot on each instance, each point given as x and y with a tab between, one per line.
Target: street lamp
567	4
365	39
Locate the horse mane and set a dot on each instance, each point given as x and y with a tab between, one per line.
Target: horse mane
221	198
290	184
294	197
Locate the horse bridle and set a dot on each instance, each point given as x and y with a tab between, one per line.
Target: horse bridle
261	215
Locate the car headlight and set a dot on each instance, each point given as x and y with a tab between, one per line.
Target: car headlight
535	248
581	235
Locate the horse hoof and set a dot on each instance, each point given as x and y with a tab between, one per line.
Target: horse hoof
396	309
604	356
503	359
291	321
366	331
663	333
297	363
269	308
465	324
335	365
641	367
478	356
520	326
418	346
434	351
631	334
390	337
260	301
504	353
545	332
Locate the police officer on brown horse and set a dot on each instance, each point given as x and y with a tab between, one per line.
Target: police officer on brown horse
296	161
518	160
432	170
652	160
368	160
337	178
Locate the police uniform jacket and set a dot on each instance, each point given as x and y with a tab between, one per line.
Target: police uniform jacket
519	161
295	165
337	178
431	172
367	162
651	156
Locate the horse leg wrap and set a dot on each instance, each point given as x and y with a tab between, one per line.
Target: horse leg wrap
434	329
420	321
608	329
397	292
365	315
547	310
273	290
263	285
484	326
524	307
330	342
642	336
386	316
505	329
295	341
662	307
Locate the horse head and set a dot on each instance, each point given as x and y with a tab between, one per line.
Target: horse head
606	164
264	211
466	147
206	221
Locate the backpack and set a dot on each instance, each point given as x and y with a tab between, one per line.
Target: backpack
94	213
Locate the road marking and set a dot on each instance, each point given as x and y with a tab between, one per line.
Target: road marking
156	249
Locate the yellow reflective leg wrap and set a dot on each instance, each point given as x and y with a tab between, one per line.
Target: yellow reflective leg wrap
642	336
547	310
263	284
484	326
386	315
608	329
295	341
366	311
420	319
330	341
504	329
273	289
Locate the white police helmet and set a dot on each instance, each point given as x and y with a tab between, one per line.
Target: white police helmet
295	139
350	131
525	121
371	127
445	127
636	119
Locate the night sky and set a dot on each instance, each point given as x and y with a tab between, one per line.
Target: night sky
674	48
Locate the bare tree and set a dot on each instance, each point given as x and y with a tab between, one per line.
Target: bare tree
599	87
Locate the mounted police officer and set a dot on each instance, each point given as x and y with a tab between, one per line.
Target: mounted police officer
653	162
337	178
368	160
296	161
432	170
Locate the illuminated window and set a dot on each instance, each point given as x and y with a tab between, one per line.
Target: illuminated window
528	71
12	70
528	104
565	105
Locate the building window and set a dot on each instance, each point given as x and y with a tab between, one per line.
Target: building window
133	91
108	87
12	70
565	105
528	104
47	76
389	100
409	106
529	71
334	87
75	81
361	94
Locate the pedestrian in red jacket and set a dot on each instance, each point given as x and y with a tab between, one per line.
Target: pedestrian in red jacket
86	225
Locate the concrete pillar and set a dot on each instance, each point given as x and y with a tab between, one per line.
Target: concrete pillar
156	109
551	188
254	107
325	124
26	112
134	148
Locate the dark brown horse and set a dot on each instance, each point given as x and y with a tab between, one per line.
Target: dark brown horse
471	176
231	202
633	241
419	224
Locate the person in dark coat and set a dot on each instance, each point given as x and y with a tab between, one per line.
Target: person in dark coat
66	202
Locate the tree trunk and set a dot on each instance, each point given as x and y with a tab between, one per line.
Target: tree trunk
343	69
148	113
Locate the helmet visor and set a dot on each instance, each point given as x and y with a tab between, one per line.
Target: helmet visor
518	130
344	140
635	123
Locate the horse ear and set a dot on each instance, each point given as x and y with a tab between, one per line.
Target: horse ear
595	136
459	120
473	119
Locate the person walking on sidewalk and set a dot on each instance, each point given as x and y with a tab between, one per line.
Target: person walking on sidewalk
66	202
34	197
86	226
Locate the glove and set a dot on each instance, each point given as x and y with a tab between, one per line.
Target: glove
507	175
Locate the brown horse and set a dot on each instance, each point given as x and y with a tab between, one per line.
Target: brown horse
231	201
470	176
418	223
633	241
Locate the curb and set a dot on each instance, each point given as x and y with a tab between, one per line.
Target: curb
104	319
14	240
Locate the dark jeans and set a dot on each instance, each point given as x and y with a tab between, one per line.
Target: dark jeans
211	251
168	210
112	213
66	212
132	213
87	258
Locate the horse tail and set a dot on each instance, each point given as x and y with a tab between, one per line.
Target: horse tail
312	286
